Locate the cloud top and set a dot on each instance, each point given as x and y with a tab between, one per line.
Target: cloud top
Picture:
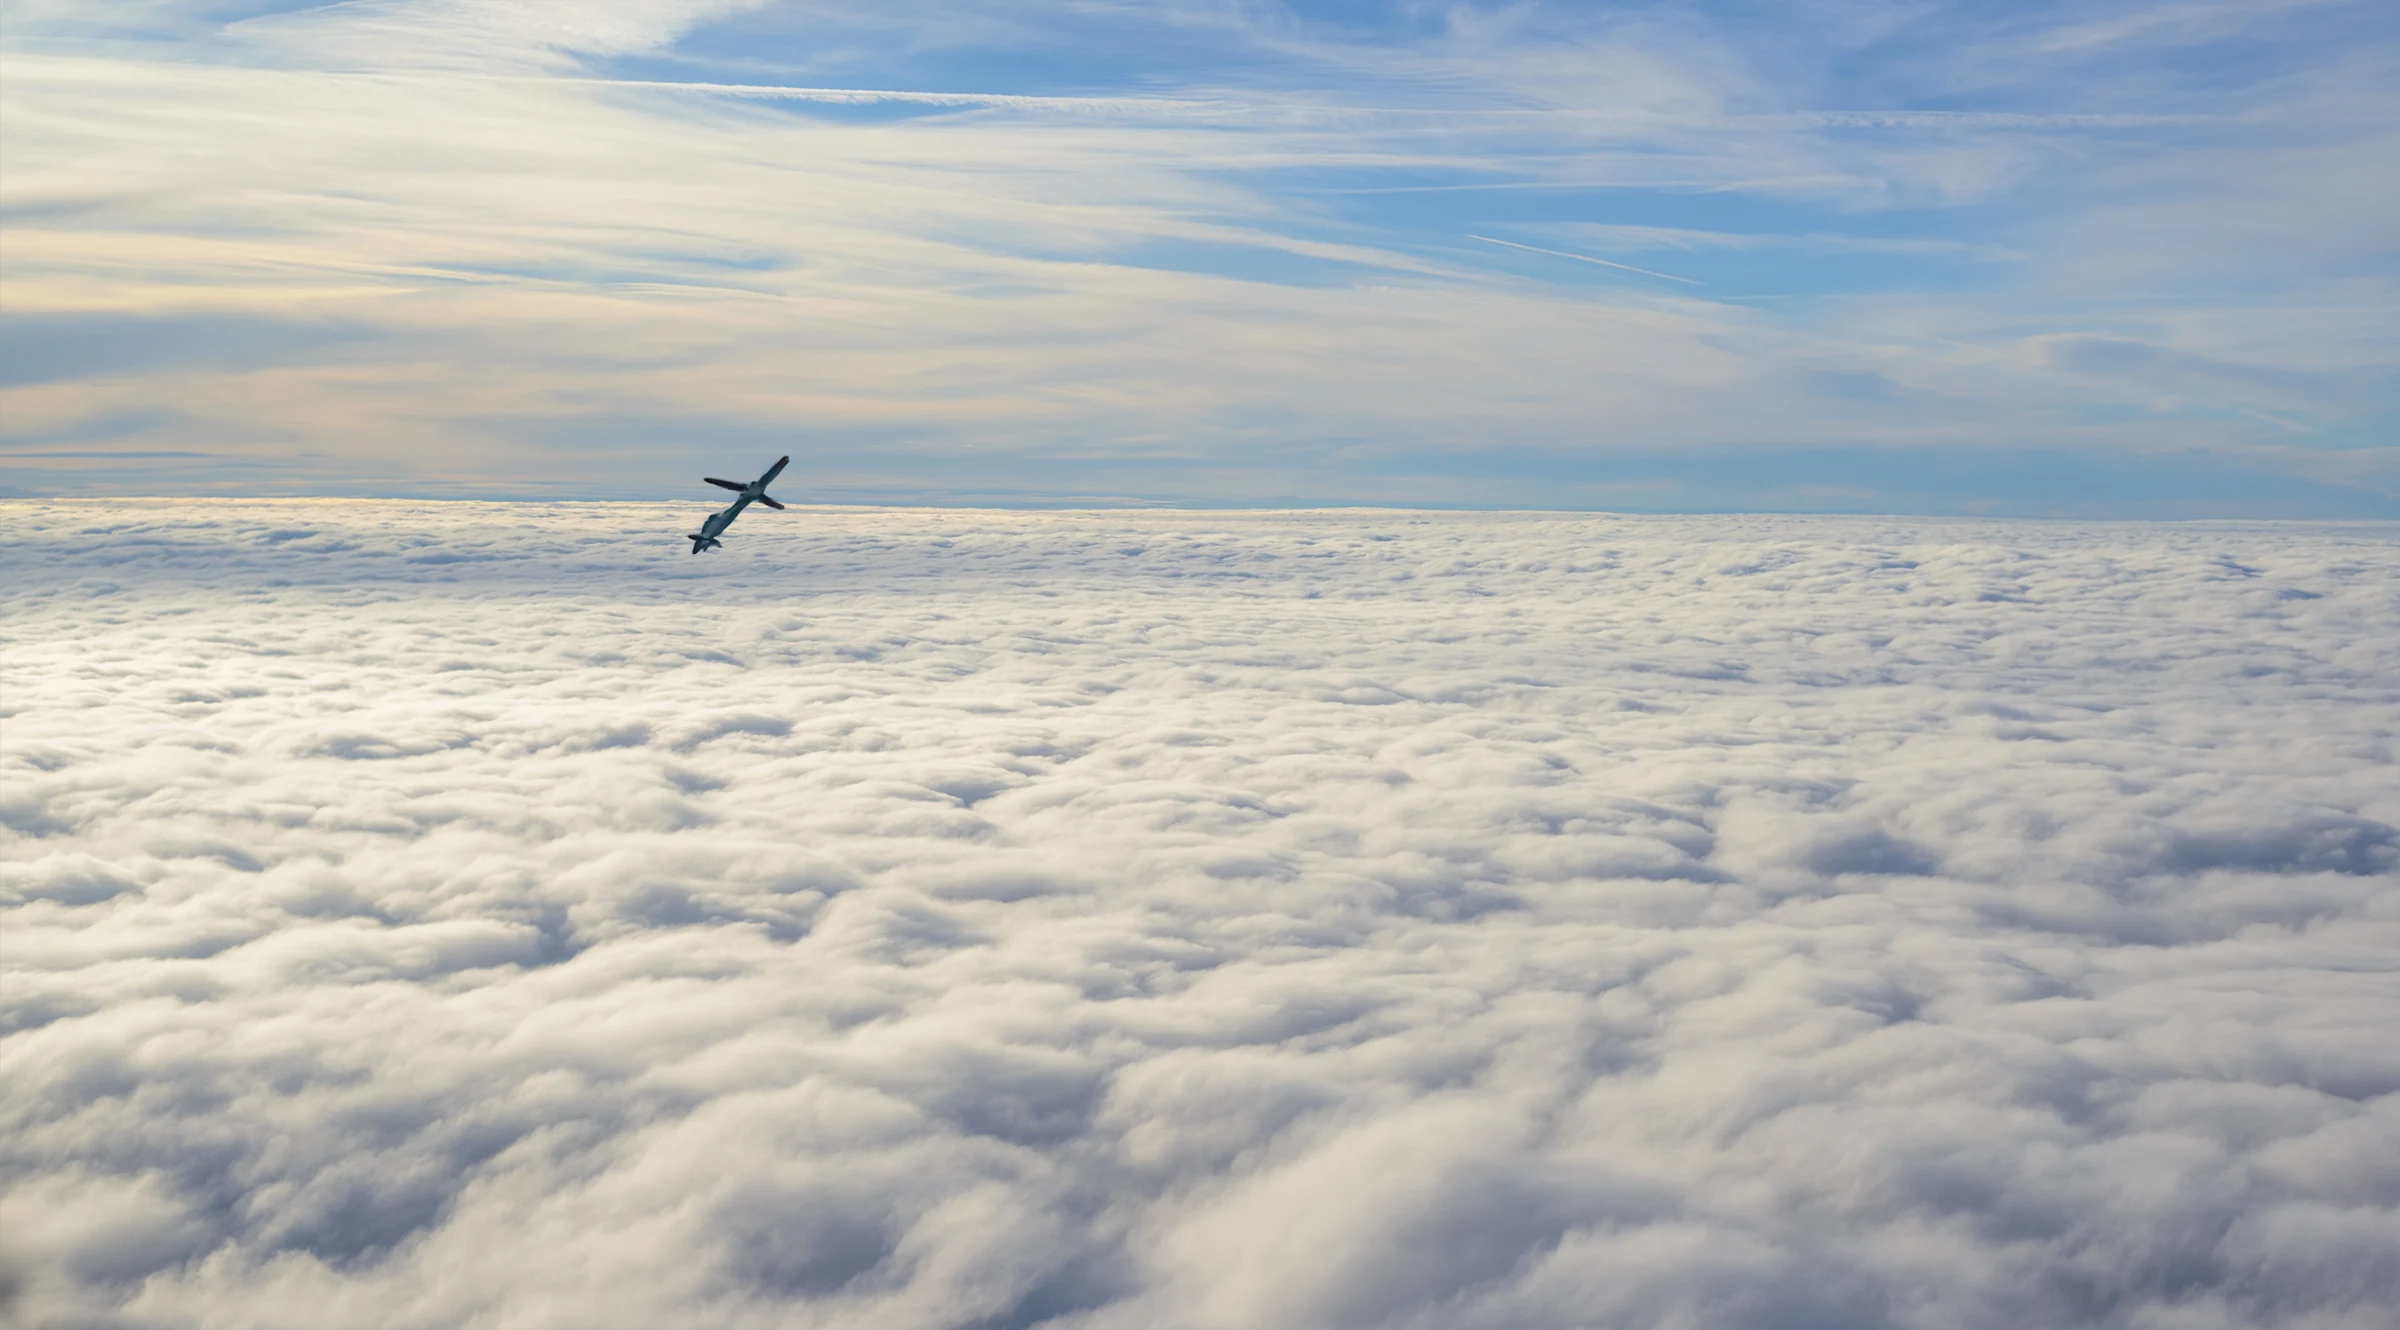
431	914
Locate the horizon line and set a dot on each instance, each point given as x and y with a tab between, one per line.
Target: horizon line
1269	506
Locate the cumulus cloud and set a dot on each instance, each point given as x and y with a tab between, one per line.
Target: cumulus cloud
426	915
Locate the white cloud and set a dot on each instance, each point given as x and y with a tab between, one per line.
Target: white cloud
443	914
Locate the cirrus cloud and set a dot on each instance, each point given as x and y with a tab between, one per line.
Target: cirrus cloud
1225	252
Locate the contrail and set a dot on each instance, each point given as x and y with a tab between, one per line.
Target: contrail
1586	258
868	96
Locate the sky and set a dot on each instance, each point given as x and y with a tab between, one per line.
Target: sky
2084	259
432	914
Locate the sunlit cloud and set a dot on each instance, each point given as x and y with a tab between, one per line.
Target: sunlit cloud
439	914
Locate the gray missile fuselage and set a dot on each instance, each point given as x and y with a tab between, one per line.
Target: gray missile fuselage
706	538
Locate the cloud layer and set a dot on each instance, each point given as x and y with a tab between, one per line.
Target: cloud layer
434	915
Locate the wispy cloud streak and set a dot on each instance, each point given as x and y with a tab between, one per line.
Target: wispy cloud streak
1585	258
1164	233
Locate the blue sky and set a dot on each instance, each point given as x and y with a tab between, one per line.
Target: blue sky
2094	259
